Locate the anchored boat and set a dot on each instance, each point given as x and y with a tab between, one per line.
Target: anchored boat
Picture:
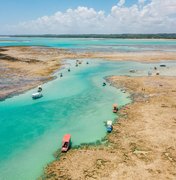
162	65
109	126
37	95
66	143
115	108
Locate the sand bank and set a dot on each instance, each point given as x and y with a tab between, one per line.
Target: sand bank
150	56
143	142
23	68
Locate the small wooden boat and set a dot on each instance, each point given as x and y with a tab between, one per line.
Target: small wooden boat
115	108
66	143
109	126
37	95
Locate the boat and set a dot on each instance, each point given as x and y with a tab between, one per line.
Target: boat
39	88
162	65
37	95
69	70
109	126
87	62
61	75
104	84
115	108
132	70
157	73
66	143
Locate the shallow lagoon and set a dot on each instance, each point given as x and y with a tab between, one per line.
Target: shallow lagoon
94	44
31	131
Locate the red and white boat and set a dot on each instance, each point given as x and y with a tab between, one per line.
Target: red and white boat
66	143
115	108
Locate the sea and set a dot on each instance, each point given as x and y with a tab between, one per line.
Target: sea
31	131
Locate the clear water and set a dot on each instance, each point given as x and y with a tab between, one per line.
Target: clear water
32	130
93	44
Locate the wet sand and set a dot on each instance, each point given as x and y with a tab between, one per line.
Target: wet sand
150	56
142	144
23	68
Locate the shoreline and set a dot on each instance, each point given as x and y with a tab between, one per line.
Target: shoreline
37	64
24	68
126	154
132	150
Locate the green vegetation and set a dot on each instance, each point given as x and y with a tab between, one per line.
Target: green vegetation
123	36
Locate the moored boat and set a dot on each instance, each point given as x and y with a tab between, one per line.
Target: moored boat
66	143
37	95
162	65
115	108
109	126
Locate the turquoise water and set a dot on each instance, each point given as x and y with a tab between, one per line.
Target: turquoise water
93	44
32	130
